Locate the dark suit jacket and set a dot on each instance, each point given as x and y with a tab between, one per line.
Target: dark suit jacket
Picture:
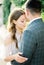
33	44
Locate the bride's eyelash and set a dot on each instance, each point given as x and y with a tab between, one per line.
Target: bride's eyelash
22	21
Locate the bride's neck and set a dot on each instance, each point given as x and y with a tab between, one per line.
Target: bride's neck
18	30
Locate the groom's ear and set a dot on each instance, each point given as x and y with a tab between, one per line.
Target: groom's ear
27	11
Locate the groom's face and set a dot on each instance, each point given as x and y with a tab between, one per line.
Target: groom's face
27	14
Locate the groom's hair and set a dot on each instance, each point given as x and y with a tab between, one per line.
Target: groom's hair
34	6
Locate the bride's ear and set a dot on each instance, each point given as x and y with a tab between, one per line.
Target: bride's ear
14	21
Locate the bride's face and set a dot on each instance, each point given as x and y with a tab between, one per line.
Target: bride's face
21	22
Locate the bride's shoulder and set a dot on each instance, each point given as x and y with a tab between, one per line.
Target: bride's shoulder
8	39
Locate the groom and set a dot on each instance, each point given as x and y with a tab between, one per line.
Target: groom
33	37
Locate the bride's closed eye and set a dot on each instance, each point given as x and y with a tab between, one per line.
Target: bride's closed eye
22	21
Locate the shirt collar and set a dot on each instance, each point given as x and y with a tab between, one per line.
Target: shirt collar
35	19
